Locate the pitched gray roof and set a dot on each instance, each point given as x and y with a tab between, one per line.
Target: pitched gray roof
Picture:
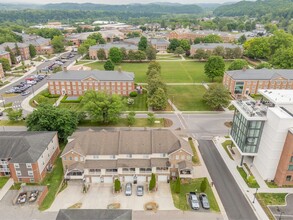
78	75
11	45
123	142
159	41
261	74
214	45
94	214
24	146
110	45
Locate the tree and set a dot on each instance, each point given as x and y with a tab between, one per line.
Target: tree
217	96
97	37
140	55
151	118
17	51
151	53
154	65
204	185
178	185
5	64
264	65
101	54
174	43
283	58
12	56
179	51
102	107
32	50
242	39
214	67
185	44
131	118
48	118
212	38
58	44
143	43
82	50
159	100
280	39
117	185
152	184
155	83
124	53
238	65
115	55
15	115
57	69
219	51
109	65
201	54
257	48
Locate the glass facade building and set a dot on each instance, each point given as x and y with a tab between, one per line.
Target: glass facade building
246	133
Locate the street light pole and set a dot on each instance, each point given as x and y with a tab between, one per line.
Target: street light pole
255	195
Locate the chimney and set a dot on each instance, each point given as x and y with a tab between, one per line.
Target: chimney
120	69
65	68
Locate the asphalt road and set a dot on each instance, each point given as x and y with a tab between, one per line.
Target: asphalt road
236	205
16	100
284	212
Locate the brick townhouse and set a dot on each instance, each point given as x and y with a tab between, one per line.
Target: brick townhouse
76	83
130	155
249	81
42	45
26	156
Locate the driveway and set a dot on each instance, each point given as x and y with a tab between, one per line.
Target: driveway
284	212
100	196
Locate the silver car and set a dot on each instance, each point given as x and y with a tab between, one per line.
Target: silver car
194	203
139	190
128	189
204	201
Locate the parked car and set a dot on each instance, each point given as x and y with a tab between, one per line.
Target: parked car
32	82
1	113
139	190
194	203
25	93
204	200
128	189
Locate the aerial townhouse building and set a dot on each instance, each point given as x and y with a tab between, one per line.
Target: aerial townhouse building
23	49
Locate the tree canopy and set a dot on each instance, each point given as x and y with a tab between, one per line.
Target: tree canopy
217	96
115	55
143	43
238	65
58	43
215	66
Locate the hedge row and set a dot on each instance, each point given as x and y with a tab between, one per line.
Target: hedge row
64	100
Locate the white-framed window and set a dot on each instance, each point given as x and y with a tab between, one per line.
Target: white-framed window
32	180
30	173
76	158
16	165
18	173
177	157
28	165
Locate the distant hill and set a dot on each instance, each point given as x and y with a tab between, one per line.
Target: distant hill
282	8
133	8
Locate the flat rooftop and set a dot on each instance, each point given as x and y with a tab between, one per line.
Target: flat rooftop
278	96
251	110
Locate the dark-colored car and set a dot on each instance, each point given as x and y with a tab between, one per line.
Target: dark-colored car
139	190
204	201
128	189
1	113
194	203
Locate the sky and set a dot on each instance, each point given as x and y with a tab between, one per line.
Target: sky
116	1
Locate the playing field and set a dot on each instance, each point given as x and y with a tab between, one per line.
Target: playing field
172	71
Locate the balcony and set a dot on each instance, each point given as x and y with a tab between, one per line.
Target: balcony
4	170
3	163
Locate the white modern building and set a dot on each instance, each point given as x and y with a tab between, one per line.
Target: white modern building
261	130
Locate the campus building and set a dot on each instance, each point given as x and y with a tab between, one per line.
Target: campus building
1	72
262	130
27	156
212	46
77	82
24	52
42	45
129	155
160	44
5	54
250	81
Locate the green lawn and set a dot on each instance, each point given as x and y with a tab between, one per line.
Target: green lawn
3	181
172	72
180	201
140	103
251	182
53	181
40	98
225	146
140	122
266	199
188	98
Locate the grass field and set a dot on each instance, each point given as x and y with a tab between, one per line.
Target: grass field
140	103
188	98
250	181
180	200
3	181
177	71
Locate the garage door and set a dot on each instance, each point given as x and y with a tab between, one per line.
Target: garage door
108	179
128	179
141	179
162	178
96	179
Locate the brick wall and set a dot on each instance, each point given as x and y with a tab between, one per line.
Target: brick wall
43	195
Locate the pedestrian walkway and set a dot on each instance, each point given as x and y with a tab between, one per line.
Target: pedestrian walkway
57	103
5	188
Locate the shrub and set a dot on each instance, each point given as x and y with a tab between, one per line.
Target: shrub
190	138
152	182
151	118
204	185
133	94
130	101
177	186
117	185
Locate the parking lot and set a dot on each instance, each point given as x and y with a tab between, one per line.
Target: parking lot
100	196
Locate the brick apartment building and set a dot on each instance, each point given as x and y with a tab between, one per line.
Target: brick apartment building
76	83
191	35
5	54
160	44
1	72
42	45
106	47
26	156
249	81
212	46
23	49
